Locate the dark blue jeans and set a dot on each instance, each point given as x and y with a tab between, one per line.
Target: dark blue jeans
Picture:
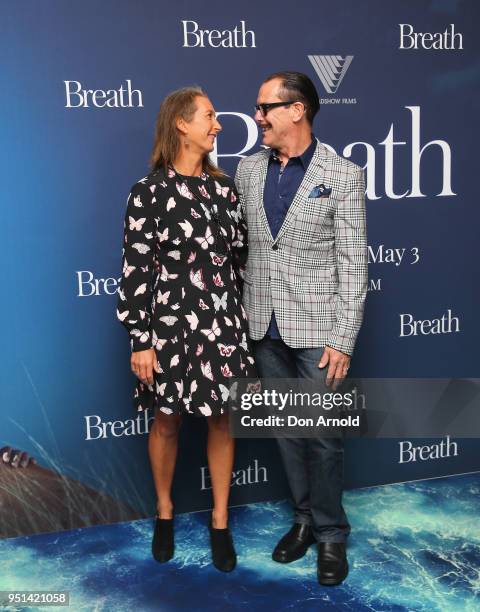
314	466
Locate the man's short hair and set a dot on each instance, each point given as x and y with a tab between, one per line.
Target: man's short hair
296	85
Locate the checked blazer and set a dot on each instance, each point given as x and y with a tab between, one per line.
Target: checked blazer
314	273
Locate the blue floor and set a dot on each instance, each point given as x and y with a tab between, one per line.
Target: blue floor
414	546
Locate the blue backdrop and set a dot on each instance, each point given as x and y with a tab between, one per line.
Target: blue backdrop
409	115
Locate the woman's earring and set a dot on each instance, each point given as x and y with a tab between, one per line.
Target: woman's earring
186	141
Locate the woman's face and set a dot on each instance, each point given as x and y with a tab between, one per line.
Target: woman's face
202	130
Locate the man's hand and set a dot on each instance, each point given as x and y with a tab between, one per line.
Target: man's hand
143	363
338	364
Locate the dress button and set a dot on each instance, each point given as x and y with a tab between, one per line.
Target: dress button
275	247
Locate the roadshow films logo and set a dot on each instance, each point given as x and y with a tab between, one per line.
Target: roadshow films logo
331	70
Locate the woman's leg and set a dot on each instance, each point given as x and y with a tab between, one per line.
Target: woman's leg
220	449
162	449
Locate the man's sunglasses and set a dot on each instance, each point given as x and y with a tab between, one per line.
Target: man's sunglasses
267	106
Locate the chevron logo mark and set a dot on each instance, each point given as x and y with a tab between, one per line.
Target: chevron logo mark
331	69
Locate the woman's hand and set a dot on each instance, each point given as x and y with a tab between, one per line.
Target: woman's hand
143	363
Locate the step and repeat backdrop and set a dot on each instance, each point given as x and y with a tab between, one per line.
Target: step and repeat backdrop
82	83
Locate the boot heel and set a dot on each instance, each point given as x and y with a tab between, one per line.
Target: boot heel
163	540
224	556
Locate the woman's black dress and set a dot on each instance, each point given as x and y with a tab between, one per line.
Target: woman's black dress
184	243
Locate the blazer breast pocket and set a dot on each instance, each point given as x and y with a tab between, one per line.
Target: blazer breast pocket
317	210
322	201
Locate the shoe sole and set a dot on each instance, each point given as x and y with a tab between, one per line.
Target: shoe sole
281	559
331	581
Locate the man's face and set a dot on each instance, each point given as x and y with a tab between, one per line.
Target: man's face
277	124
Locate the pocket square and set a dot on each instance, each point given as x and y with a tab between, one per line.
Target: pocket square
320	191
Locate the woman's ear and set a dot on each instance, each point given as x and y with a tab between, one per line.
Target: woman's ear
181	125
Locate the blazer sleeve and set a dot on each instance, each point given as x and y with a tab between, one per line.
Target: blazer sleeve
134	308
352	264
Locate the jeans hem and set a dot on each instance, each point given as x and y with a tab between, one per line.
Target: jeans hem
332	539
303	520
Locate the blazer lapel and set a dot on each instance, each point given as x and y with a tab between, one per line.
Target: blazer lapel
262	167
311	178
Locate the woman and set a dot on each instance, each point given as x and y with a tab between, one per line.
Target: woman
180	300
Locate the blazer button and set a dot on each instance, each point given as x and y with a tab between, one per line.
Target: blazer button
275	247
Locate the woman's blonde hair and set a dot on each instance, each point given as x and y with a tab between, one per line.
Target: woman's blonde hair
178	104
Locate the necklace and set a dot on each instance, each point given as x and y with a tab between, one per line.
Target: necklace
221	246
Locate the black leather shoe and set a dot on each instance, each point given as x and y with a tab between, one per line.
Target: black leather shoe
224	556
294	544
332	565
162	543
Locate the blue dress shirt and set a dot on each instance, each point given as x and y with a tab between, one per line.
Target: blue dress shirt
280	189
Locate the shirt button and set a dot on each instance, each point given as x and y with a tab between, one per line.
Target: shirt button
274	247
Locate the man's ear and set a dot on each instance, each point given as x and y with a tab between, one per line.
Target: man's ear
299	111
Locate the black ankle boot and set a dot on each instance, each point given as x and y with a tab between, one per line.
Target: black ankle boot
224	556
162	543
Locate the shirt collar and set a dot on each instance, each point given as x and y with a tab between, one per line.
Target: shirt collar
305	158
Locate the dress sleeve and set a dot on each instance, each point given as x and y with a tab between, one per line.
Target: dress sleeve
138	259
240	242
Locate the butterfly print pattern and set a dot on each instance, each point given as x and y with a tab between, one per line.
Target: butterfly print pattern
180	290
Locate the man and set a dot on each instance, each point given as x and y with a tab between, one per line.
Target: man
304	291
